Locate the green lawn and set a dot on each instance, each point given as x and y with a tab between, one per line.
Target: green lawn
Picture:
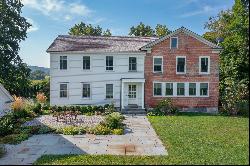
189	139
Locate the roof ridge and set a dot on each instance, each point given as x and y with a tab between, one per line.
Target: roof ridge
91	36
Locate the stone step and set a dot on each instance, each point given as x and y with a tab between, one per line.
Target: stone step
133	111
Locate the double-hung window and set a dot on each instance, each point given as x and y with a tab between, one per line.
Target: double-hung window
204	65
203	89
174	42
157	89
109	63
132	64
63	90
157	65
192	89
169	89
86	90
63	62
180	89
109	91
181	65
86	62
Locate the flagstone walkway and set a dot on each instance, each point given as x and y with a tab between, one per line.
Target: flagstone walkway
139	139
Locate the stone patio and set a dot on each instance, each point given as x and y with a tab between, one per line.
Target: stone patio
139	139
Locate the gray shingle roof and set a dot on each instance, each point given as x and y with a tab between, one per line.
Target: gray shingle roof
65	43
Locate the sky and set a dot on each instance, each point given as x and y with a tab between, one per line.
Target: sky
50	18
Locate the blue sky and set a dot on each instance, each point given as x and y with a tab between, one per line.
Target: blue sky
53	17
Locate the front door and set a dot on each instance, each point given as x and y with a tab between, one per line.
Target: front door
132	94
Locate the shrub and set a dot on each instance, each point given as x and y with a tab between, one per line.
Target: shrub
72	130
109	109
164	107
243	107
14	138
18	104
100	130
118	131
45	130
113	120
41	98
37	108
6	124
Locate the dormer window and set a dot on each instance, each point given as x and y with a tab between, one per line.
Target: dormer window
174	42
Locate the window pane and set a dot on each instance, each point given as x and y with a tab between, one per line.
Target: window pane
180	89
132	63
169	89
86	62
204	89
109	91
63	62
109	62
157	64
86	90
157	89
181	65
157	61
63	90
192	89
204	64
173	42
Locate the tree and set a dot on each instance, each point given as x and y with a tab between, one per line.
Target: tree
107	33
83	29
38	75
161	30
141	30
13	29
233	26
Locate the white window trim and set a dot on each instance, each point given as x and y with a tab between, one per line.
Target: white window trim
171	43
186	86
136	64
161	64
60	63
207	89
185	89
106	92
176	62
90	86
60	90
208	71
161	89
90	63
110	66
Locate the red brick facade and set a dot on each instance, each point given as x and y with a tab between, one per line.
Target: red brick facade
191	48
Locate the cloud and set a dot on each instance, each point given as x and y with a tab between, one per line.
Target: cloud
204	10
34	27
58	9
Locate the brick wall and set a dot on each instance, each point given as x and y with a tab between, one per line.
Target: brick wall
192	49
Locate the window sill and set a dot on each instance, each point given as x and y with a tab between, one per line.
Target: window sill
158	73
181	73
203	73
132	71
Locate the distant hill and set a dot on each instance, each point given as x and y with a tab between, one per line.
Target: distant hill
35	68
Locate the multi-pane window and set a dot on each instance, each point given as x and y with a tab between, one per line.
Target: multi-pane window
157	64
109	63
192	89
132	91
181	65
174	42
180	89
203	89
86	62
132	64
63	90
169	89
157	89
109	91
86	90
204	65
63	62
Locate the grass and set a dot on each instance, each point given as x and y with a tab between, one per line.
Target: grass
189	139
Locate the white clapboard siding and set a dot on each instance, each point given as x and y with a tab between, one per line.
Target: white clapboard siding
97	76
